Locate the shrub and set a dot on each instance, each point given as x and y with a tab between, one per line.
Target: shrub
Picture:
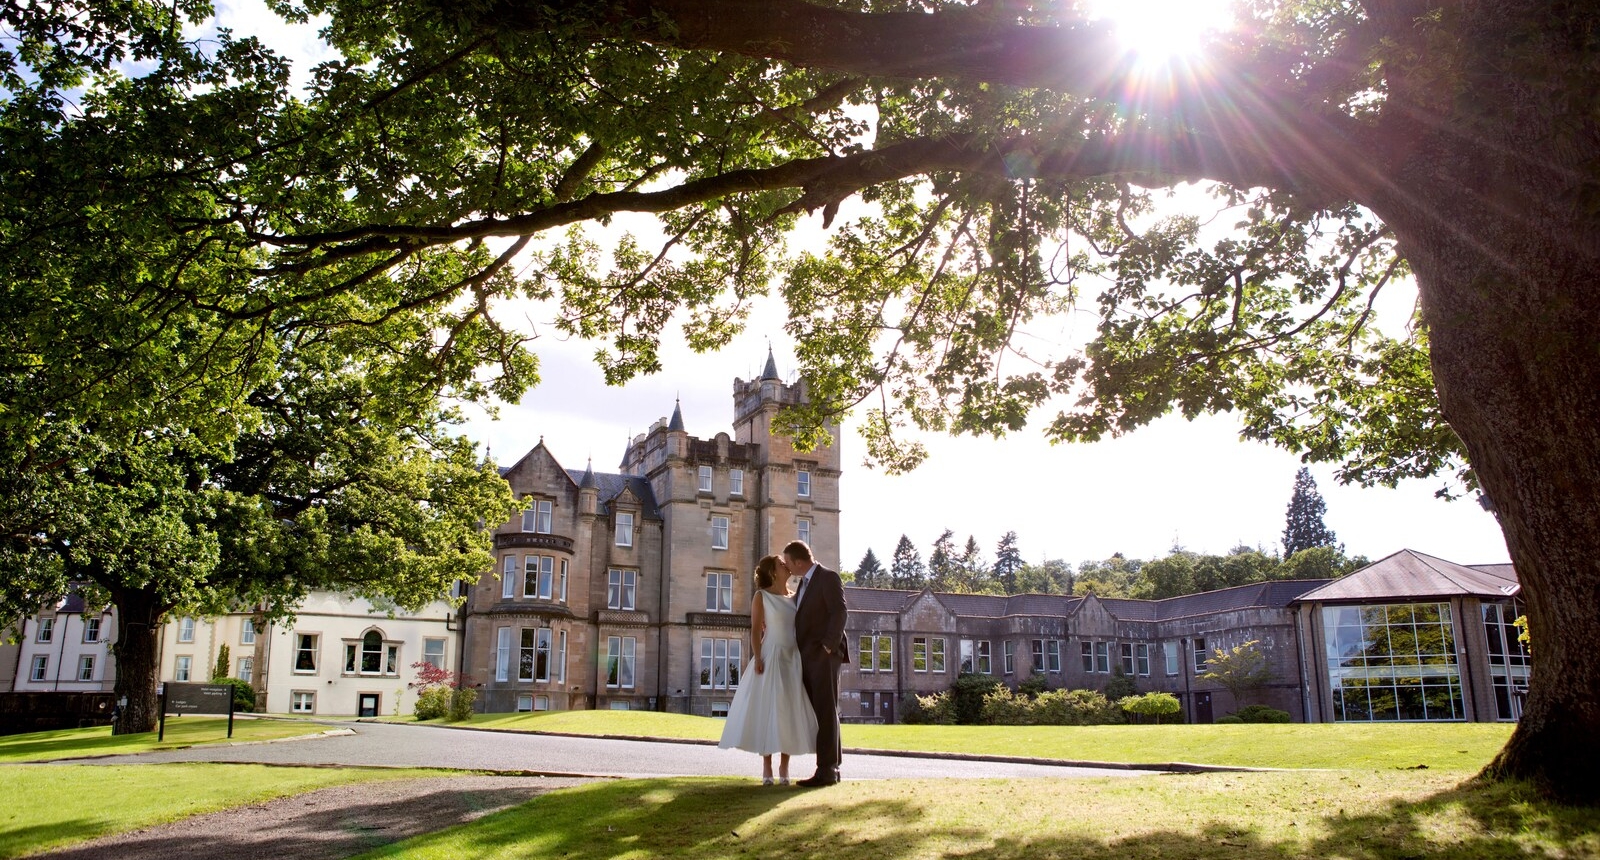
1229	720
244	695
433	703
1261	714
1004	708
1074	708
934	710
1120	687
967	696
461	700
1152	705
1032	687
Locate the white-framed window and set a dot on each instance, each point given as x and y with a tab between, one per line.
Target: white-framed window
186	630
802	484
719	709
47	630
1008	657
305	652
735	482
1102	657
502	654
182	667
91	629
936	654
539	576
1169	655
524	702
1141	659
533	659
621	588
624	529
620	653
1088	655
1127	658
719	532
875	653
371	655
1201	655
562	580
927	654
247	632
41	667
537	517
985	662
433	652
247	669
1038	655
508	577
86	667
969	657
720	660
303	702
802	528
541	703
719	592
560	669
704	484
1052	655
619	706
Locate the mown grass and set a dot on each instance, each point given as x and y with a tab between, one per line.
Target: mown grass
181	732
1237	816
43	807
1458	747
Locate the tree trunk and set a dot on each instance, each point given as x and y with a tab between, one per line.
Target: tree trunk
1513	308
137	650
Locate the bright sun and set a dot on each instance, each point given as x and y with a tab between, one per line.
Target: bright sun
1158	30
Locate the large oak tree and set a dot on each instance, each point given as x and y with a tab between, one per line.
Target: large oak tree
1000	156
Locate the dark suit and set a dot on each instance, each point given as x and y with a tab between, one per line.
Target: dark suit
818	622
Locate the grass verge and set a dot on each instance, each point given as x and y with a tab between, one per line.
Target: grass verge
1254	816
1458	747
43	807
181	732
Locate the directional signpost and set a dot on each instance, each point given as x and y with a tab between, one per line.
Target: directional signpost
195	699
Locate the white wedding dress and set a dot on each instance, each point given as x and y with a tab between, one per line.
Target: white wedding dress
770	712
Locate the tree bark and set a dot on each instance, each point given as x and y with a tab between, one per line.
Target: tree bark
1508	264
137	651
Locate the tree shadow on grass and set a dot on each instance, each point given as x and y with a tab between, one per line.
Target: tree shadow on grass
712	819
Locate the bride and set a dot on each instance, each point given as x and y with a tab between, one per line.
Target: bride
770	712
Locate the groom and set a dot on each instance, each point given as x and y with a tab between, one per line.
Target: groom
819	632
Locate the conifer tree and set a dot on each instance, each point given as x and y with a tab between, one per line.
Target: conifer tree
906	570
1304	528
942	572
869	572
1007	562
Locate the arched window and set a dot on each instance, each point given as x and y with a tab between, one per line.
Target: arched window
372	653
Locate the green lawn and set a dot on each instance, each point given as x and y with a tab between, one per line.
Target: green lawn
1457	747
1236	816
181	732
51	806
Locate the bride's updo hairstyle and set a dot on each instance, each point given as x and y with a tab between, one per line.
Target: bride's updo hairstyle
766	572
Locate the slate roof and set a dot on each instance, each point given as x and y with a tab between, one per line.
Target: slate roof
610	486
877	599
966	605
1408	575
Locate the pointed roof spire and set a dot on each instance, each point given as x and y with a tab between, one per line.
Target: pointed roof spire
771	370
588	482
677	416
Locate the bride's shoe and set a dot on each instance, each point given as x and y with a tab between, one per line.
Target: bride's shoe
767	780
783	780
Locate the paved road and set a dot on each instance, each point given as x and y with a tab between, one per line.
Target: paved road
429	746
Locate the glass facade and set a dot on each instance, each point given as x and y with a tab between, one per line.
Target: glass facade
1392	662
1508	659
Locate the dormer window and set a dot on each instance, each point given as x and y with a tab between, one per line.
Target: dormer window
537	516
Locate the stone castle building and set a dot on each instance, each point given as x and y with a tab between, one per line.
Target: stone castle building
632	589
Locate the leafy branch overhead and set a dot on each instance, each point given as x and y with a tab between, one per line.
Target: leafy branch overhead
449	159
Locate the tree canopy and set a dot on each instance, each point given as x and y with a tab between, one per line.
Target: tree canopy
168	203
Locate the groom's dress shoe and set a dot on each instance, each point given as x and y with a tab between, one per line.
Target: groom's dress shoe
819	780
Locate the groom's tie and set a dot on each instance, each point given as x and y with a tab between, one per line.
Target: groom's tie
800	592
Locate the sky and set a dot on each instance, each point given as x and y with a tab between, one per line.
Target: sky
1174	483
